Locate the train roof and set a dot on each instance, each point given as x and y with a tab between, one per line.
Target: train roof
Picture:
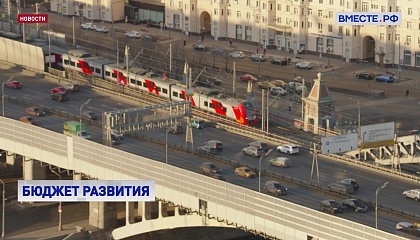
54	49
79	53
100	61
135	70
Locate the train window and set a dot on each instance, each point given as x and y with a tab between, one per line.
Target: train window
66	62
175	94
224	109
145	84
78	65
107	73
132	81
72	63
211	105
113	75
165	91
181	96
60	60
206	104
139	83
158	89
98	70
92	69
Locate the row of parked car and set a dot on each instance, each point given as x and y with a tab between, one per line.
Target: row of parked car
379	78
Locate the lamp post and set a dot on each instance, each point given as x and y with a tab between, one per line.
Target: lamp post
386	65
166	145
3	209
60	226
81	107
376	205
259	168
329	56
2	94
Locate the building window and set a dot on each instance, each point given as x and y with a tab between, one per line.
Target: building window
397	37
408	40
89	14
320	26
383	8
330	14
248	33
320	44
248	2
295	24
264	19
330	44
340	30
330	28
417	59
341	3
180	5
408	25
186	7
319	13
278	7
407	57
238	31
347	32
321	1
309	11
355	32
192	7
264	6
295	11
331	2
309	24
398	9
238	14
382	36
216	12
410	11
287	8
176	21
365	7
248	15
381	49
229	12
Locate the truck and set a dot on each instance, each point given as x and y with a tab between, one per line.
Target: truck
73	128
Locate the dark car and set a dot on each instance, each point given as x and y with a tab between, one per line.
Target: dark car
275	188
218	145
35	111
365	75
385	78
209	168
206	150
59	96
331	206
200	47
218	177
115	140
176	129
350	181
354	204
278	61
90	115
203	83
215	81
259	144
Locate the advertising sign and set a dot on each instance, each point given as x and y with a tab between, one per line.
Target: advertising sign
339	144
368	18
377	135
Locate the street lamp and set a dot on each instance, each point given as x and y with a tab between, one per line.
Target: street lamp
81	107
166	144
376	205
259	169
3	209
60	226
2	93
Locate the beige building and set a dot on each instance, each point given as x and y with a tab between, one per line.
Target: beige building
306	25
95	10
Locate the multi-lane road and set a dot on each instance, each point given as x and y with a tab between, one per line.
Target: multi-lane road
37	91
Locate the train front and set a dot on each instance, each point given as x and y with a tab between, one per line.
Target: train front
249	113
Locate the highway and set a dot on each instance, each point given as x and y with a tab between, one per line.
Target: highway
37	91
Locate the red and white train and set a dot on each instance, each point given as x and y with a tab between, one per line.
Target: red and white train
242	111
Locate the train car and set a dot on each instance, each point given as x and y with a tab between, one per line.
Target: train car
57	52
77	60
97	66
13	36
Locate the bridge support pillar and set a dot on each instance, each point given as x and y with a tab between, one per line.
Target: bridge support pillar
129	213
32	171
141	210
103	215
10	158
151	210
77	176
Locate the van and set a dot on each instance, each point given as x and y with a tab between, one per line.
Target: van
341	188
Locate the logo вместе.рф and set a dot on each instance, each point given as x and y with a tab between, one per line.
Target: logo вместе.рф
368	18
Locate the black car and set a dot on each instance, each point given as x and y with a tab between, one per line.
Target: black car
365	75
200	47
210	168
275	188
115	140
350	181
331	206
215	81
60	96
354	204
278	61
204	83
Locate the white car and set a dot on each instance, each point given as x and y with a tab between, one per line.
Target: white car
237	54
304	65
117	134
88	26
102	29
133	34
297	87
413	194
289	149
278	91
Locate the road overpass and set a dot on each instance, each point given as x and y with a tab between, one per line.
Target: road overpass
224	202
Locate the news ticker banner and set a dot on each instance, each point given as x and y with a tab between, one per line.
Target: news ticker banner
86	191
368	18
33	18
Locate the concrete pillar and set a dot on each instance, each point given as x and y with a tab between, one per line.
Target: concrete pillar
103	215
10	158
77	176
33	171
141	210
151	210
129	213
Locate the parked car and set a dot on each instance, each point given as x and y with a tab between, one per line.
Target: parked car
385	78
304	65
216	144
280	162
278	61
248	77
355	205
289	149
90	115
133	34
59	96
279	83
266	85
253	151
176	129
237	54
331	206
35	111
206	150
365	75
13	84
58	90
71	87
102	29
259	144
275	188
296	87
200	47
197	123
209	168
244	172
413	194
278	91
88	26
257	57
28	120
341	188
351	182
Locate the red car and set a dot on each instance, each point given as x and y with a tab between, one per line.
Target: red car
13	84
58	90
248	77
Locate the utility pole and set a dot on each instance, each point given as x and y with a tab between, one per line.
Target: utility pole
399	60
262	110
49	49
234	80
37	12
74	35
315	164
8	14
170	60
118	68
267	105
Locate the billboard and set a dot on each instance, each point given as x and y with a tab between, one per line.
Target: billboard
377	135
339	144
368	18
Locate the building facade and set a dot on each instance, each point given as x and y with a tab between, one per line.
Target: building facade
94	10
304	25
